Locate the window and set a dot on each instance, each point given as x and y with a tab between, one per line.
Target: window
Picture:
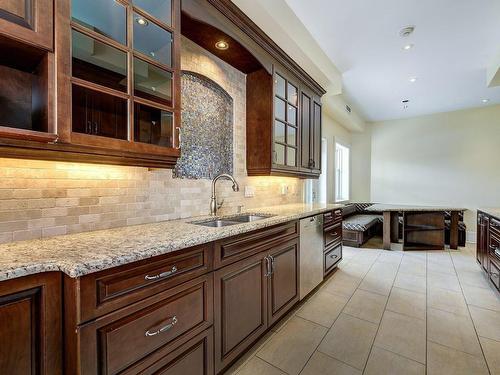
323	188
341	173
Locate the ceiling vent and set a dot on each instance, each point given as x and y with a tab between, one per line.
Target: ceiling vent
347	108
406	31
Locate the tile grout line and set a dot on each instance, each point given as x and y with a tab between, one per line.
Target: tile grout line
470	316
382	317
341	312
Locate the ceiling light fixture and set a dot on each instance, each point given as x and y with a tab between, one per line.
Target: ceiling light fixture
413	79
406	31
408	47
222	45
485	100
142	21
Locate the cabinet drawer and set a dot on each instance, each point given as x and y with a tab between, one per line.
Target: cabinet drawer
333	235
194	358
236	248
495	227
119	340
494	271
494	246
332	217
106	291
332	257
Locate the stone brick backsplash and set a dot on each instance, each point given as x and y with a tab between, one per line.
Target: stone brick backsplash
42	199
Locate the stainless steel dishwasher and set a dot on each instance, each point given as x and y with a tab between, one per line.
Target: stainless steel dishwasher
311	253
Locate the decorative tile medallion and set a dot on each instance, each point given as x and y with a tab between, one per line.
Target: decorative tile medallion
207	129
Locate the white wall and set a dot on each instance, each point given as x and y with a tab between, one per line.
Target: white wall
361	166
442	159
333	132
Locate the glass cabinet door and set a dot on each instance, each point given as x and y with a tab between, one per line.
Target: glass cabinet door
124	83
285	121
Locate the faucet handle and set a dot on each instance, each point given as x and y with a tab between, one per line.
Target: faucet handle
240	208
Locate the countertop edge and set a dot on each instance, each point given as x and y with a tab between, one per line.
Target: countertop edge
85	268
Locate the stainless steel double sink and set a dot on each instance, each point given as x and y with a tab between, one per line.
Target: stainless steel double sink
231	220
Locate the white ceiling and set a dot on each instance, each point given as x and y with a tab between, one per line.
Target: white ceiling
454	43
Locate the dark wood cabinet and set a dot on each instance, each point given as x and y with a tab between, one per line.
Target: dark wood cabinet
283	125
240	302
127	337
488	246
283	280
483	225
256	290
332	228
192	358
30	21
30	329
310	132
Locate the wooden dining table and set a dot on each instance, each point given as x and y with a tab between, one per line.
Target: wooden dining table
391	220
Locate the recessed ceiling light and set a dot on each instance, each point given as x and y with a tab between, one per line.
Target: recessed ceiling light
142	21
221	45
485	100
413	79
408	47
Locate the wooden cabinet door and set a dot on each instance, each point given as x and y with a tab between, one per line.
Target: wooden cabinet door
305	129
30	21
316	136
240	304
30	328
284	280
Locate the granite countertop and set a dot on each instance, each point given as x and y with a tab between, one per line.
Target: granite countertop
491	211
83	253
403	207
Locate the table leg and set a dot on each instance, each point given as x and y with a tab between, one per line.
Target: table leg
387	230
454	230
394	226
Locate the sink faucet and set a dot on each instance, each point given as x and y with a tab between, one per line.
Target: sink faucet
213	202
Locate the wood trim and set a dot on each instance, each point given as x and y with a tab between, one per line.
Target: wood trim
45	288
243	22
14	148
30	135
99	88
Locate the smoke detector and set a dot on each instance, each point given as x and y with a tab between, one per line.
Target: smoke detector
406	31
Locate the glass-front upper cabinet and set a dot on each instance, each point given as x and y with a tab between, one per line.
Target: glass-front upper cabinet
125	72
285	120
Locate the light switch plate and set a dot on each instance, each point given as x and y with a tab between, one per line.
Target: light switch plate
249	191
284	189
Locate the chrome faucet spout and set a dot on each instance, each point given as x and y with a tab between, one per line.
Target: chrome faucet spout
213	201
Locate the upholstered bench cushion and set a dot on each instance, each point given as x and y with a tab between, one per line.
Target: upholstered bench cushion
361	222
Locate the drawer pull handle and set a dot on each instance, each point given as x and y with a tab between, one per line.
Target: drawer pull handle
161	275
333	256
272	264
495	275
162	329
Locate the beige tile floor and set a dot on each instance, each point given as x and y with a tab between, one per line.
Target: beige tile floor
388	312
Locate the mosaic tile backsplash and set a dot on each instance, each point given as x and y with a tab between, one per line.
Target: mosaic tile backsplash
43	199
207	129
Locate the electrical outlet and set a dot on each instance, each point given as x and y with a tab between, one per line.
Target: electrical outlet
284	189
249	191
